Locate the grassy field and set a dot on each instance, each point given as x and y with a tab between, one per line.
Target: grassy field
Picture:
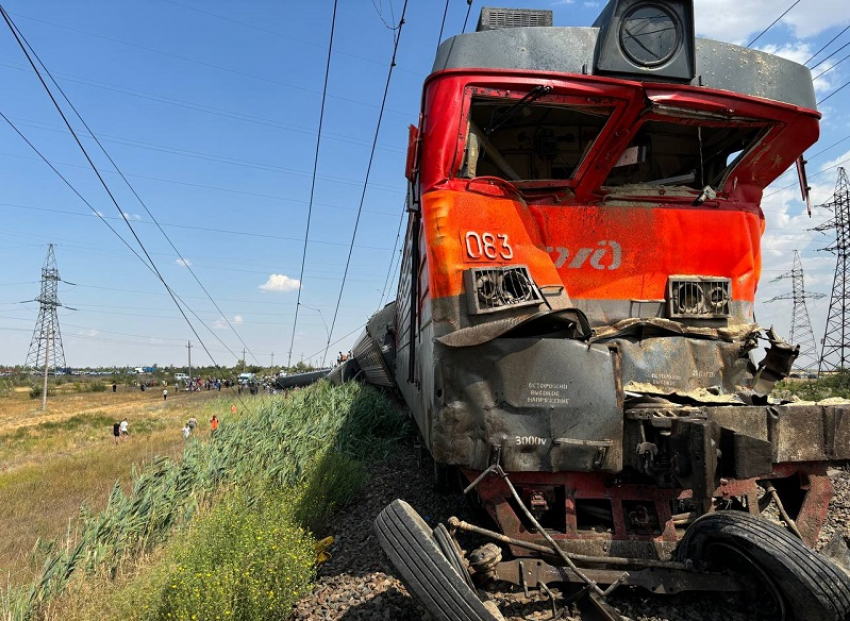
224	525
54	462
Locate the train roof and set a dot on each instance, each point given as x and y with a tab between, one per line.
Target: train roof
595	51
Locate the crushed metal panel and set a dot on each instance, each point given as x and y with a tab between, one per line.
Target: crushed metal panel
676	365
542	404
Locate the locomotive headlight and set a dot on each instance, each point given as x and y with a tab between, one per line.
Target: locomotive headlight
649	35
492	289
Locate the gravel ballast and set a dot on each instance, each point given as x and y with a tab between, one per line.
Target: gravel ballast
359	583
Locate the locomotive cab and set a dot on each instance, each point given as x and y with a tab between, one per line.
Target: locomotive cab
576	302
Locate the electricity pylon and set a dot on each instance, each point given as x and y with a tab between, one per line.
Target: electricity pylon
46	345
835	349
801	326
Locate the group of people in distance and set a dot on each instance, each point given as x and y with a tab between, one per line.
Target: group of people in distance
192	424
121	430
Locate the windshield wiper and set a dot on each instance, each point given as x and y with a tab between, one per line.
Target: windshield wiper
536	93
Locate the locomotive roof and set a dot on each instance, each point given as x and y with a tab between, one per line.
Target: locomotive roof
719	65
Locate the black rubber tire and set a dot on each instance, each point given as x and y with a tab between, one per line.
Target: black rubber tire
452	553
408	542
811	587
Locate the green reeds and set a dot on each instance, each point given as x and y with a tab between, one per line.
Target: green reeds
312	440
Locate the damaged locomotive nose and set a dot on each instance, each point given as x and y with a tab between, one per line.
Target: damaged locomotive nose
776	364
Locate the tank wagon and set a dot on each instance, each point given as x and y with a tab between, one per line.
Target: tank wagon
574	329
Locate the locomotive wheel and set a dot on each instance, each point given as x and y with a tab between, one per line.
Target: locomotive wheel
790	581
423	567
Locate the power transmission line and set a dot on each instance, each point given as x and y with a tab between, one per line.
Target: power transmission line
828	57
801	325
198	107
812	57
368	171
184	262
773	23
313	181
835	92
835	350
150	263
46	345
171	293
260	78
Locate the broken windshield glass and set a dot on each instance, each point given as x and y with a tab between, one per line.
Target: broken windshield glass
683	153
543	139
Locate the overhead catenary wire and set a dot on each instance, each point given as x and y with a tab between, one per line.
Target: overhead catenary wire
834	92
110	227
828	43
773	23
313	181
828	57
392	262
277	34
199	107
443	23
468	10
144	205
245	74
210	157
397	39
284	199
385	290
100	178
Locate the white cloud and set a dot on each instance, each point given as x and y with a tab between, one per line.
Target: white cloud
131	216
183	262
280	282
726	21
221	322
798	51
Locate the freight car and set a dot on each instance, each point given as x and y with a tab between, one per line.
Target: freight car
574	330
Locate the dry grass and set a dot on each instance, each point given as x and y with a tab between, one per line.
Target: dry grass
51	463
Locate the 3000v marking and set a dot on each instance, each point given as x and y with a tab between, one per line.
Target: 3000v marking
531	441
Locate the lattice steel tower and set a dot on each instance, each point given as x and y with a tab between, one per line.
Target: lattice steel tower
801	326
47	337
835	350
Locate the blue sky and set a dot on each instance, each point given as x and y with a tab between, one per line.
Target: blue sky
211	110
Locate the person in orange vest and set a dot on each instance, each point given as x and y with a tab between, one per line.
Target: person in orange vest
233	408
214	424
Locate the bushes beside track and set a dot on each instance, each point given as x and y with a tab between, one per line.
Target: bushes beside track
248	499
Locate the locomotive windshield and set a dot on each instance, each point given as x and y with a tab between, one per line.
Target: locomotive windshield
683	153
530	139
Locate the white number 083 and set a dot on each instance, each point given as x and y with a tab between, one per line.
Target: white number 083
487	245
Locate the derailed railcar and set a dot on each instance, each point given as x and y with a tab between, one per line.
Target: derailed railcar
574	328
